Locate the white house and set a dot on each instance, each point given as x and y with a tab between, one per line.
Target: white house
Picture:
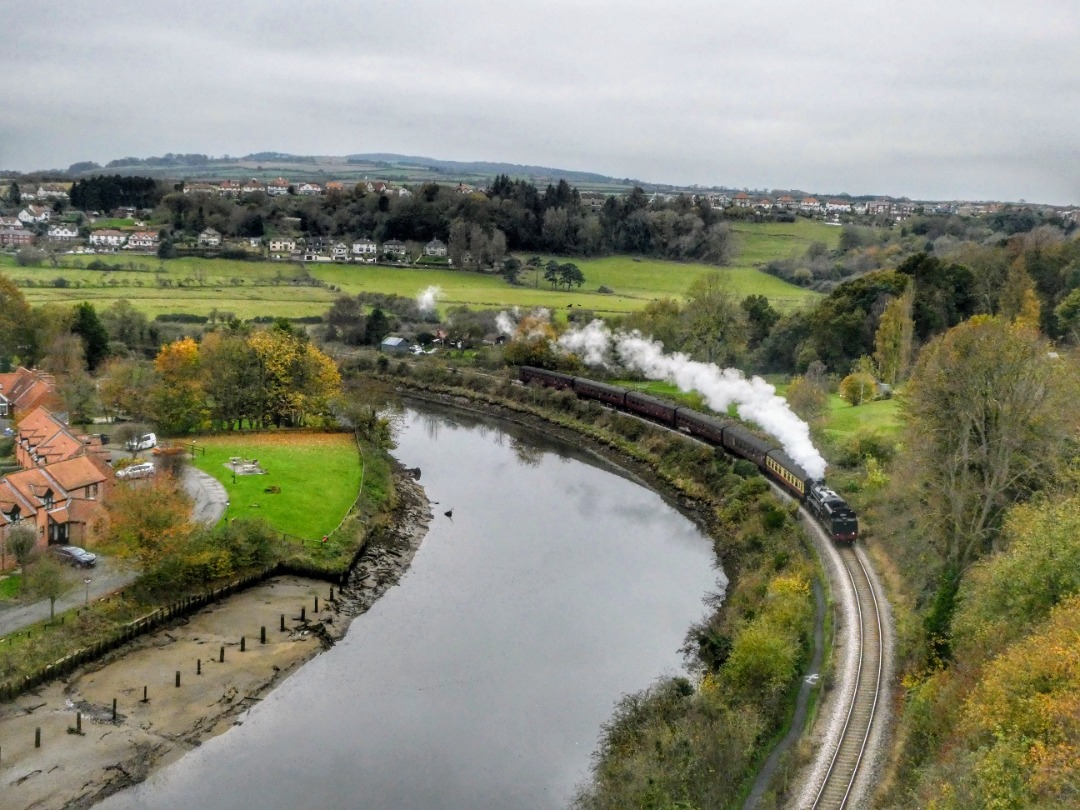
142	240
364	249
107	238
63	232
278	188
209	238
252	187
308	189
838	207
435	247
33	214
394	248
281	245
339	251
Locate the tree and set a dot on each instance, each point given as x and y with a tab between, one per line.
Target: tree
147	520
21	541
990	410
807	397
570	275
761	316
857	387
95	337
894	337
50	579
377	327
18	335
14	196
125	387
178	399
713	326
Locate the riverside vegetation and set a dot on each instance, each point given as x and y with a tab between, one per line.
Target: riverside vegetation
683	742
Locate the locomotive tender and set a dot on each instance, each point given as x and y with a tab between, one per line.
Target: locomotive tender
829	509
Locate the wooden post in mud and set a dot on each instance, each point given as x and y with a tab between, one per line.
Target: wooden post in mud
145	699
331	594
221	654
303	614
243	639
262	635
37	737
316	604
177	679
282	622
114	710
198	666
78	722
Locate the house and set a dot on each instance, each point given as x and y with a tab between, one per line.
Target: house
279	245
339	252
10	222
879	207
835	206
742	200
902	210
404	192
394	345
334	187
785	201
209	238
59	500
765	204
809	204
435	247
16	237
63	232
43	438
394	249
200	188
107	238
252	186
33	214
364	249
229	188
309	189
25	389
142	240
53	191
278	187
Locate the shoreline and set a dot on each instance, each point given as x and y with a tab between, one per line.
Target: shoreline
77	770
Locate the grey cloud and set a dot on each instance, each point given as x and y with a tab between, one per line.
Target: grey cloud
924	98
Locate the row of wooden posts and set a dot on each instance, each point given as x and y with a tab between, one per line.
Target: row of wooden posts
77	729
183	607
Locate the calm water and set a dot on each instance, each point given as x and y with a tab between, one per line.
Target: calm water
483	679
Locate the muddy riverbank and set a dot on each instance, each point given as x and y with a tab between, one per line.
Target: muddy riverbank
75	770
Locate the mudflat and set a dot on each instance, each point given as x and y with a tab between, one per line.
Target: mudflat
73	769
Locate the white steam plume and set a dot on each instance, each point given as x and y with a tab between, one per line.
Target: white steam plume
755	400
507	322
427	299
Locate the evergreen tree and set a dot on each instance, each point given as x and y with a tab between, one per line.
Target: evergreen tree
94	334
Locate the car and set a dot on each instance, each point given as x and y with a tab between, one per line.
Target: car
145	442
143	470
79	557
9	432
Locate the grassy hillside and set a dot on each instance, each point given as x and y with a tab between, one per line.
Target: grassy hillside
249	289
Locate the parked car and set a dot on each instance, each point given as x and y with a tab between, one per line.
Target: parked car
145	442
144	470
79	557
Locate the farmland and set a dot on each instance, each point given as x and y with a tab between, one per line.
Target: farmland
253	288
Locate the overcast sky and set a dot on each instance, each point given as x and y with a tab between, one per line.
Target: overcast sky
933	99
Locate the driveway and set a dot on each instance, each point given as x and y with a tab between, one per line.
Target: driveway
209	496
107	576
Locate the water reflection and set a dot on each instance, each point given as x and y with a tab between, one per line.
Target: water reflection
484	678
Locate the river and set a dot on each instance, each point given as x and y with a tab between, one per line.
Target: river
483	679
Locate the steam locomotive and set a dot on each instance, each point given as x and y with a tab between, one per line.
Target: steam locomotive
829	509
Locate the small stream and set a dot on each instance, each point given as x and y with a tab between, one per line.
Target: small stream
484	678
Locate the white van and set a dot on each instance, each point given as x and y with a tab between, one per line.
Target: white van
147	441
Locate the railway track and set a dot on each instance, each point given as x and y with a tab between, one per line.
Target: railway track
837	785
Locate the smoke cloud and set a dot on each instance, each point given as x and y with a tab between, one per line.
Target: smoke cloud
427	299
755	400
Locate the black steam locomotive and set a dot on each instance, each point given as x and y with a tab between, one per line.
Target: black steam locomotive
830	510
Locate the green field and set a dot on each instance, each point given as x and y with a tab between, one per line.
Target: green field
250	289
318	475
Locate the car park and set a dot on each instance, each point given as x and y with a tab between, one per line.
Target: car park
144	470
73	555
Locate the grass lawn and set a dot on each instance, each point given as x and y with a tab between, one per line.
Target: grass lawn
879	416
318	473
10	586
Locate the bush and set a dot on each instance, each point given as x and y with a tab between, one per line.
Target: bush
858	387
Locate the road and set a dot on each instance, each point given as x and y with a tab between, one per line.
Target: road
210	500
